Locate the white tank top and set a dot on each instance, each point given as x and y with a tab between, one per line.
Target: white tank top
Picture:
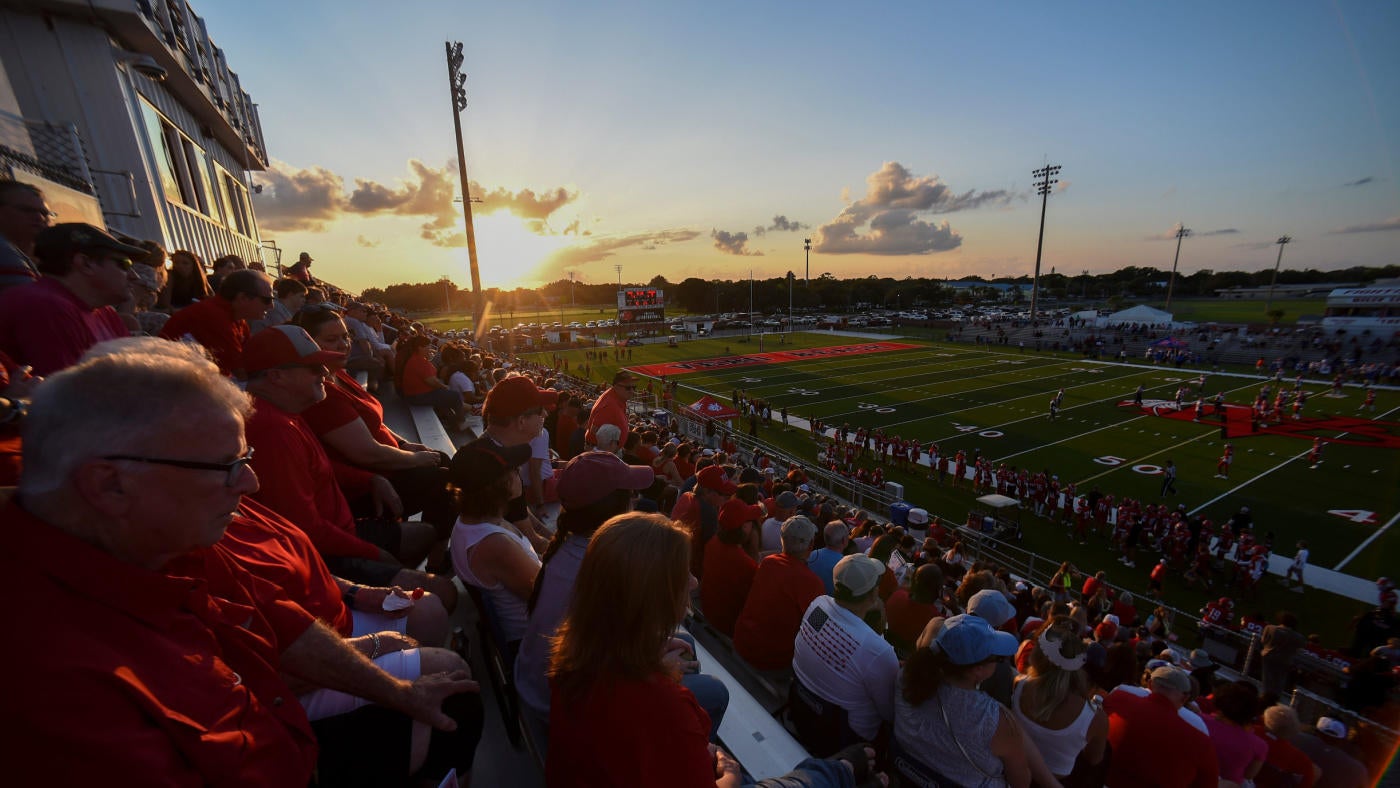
510	609
1061	747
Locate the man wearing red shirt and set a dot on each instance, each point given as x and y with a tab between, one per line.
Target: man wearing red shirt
611	407
1152	744
49	324
1291	766
181	675
729	570
220	323
782	589
286	375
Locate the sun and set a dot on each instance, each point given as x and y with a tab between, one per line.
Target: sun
508	252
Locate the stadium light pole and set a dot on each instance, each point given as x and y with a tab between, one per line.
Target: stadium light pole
750	319
1181	232
807	245
617	324
1045	180
790	278
457	84
1282	241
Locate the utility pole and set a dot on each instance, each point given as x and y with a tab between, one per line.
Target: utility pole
457	84
807	245
1282	241
1182	232
791	325
750	320
1046	180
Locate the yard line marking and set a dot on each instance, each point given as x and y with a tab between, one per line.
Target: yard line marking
1064	440
1369	540
1131	463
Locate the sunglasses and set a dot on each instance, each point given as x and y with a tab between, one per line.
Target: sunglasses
124	263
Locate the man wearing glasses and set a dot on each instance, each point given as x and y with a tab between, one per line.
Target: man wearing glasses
180	656
50	323
220	323
23	215
611	407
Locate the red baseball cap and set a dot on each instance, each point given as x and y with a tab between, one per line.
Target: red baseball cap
514	396
734	513
283	346
591	476
714	478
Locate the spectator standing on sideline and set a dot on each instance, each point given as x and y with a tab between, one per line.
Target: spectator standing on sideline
1281	642
23	215
220	323
611	407
50	323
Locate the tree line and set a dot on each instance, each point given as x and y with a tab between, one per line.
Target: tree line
826	291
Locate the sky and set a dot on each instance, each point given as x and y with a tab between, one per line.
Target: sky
710	139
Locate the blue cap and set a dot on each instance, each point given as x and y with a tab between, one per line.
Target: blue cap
969	639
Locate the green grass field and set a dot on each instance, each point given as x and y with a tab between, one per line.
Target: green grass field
996	403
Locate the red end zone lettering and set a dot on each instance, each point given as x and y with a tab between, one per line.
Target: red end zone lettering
1239	423
778	357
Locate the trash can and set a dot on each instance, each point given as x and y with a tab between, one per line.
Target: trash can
899	513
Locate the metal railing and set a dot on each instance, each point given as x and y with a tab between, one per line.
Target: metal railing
49	150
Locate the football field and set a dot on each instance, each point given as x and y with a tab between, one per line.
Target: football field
995	401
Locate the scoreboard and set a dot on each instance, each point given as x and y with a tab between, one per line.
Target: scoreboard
640	305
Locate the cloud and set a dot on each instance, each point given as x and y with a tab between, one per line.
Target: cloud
1062	186
309	199
603	248
1374	227
781	224
366	242
733	243
1226	231
1361	181
890	212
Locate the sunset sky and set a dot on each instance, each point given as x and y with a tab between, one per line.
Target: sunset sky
708	139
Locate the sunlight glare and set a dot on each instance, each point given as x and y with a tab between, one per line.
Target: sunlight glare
508	252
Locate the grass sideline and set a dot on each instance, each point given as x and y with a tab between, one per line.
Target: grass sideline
1221	310
956	393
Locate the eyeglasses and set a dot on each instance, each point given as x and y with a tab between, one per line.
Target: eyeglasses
231	469
124	263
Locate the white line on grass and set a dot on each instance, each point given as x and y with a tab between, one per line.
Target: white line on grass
1369	540
1070	438
1131	463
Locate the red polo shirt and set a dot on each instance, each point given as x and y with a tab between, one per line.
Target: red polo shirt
46	326
729	573
296	480
176	685
908	618
211	323
782	589
416	371
1154	746
268	546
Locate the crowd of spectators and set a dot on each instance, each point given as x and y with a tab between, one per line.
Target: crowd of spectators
248	576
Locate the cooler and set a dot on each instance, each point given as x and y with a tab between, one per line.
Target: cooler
899	513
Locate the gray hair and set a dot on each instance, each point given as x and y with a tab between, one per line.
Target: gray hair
122	397
835	531
607	433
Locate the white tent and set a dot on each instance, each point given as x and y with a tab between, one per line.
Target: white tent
1138	314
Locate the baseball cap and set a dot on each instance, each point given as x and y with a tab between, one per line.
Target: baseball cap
967	639
918	517
61	240
714	478
623	376
991	606
284	346
482	459
734	513
1106	630
787	500
1200	659
857	573
1332	727
797	532
515	395
591	476
306	257
1172	677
